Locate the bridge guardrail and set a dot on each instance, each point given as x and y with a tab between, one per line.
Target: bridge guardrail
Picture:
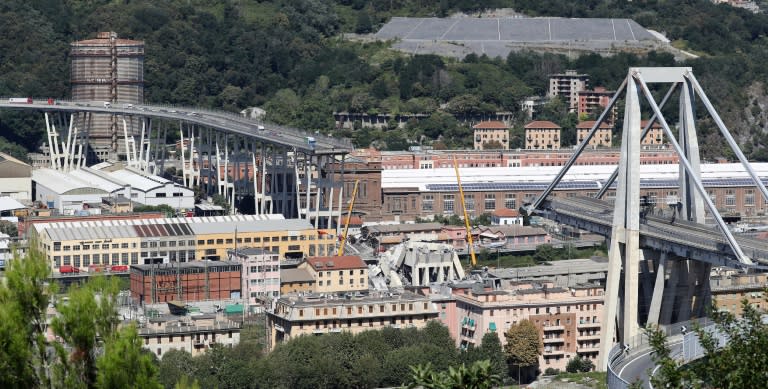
615	358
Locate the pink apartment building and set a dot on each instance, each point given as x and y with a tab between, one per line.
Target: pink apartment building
568	319
261	275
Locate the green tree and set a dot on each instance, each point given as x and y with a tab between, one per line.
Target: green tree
478	375
739	364
523	346
579	365
491	349
9	228
175	366
24	297
125	364
83	320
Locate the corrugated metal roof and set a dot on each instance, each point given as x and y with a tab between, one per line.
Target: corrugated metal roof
60	182
7	204
96	180
99	229
139	181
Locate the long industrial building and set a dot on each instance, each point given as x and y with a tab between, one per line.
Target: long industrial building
82	189
409	193
132	242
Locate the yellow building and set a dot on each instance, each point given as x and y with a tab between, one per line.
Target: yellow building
655	135
490	133
294	280
290	238
542	135
130	242
337	274
728	293
295	315
602	137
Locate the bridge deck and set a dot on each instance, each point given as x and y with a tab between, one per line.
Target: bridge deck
700	241
220	120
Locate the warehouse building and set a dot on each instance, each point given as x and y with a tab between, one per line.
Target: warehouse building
84	245
85	189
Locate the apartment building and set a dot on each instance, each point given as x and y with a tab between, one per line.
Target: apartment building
568	318
603	135
193	334
542	135
346	273
261	274
655	136
296	315
491	135
568	85
296	280
564	301
188	281
593	102
728	292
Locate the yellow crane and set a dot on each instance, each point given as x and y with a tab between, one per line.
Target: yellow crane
466	217
349	216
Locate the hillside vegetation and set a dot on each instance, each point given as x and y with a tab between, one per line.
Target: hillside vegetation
290	57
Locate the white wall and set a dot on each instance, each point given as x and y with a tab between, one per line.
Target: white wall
16	188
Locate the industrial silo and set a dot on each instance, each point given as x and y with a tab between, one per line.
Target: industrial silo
107	69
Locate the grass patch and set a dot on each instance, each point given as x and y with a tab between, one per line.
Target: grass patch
593	379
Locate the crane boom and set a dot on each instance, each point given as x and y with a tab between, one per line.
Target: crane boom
466	217
349	216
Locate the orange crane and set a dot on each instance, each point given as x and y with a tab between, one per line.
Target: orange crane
466	217
349	216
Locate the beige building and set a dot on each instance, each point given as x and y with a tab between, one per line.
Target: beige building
567	86
132	242
655	135
728	292
295	280
15	178
193	334
295	315
337	274
491	135
602	138
542	135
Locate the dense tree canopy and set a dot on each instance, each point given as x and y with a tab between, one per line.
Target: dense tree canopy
289	57
88	350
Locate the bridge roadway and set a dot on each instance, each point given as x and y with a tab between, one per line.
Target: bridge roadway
228	122
683	238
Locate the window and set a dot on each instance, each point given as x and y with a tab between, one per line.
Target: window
749	197
490	201
448	203
469	202
730	198
510	201
427	202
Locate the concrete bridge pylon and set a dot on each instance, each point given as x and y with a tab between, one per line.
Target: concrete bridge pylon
649	286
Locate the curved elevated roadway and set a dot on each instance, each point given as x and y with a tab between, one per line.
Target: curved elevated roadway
690	240
277	135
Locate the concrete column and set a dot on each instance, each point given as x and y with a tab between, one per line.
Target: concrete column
658	290
625	235
692	202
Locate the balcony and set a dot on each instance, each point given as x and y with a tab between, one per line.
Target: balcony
553	328
587	324
588	337
553	340
553	351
